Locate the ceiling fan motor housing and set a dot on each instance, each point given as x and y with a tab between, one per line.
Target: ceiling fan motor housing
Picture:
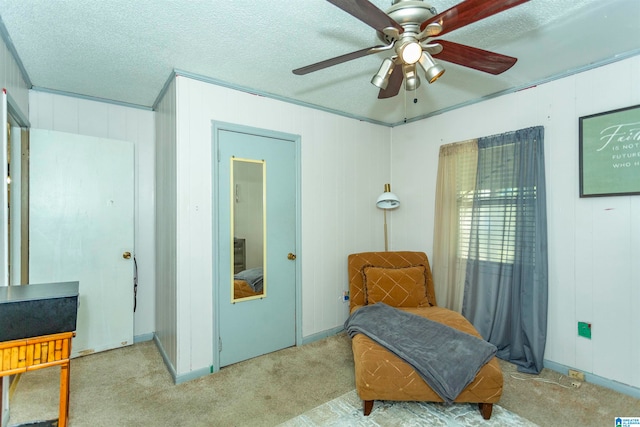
410	14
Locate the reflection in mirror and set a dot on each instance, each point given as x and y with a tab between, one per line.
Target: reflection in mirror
248	229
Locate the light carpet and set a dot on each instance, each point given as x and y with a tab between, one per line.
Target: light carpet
346	410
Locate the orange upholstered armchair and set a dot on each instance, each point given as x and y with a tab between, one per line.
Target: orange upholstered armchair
403	280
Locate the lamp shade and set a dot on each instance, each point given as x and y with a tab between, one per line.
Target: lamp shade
410	52
387	200
381	79
432	70
411	79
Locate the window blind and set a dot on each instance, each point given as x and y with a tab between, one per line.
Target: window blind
501	209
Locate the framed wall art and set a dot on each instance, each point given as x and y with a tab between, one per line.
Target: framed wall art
610	153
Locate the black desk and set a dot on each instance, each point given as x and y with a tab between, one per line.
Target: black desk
38	323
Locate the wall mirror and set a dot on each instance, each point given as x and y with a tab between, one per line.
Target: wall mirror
248	229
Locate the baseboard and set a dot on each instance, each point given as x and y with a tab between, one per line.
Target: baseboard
165	358
595	379
177	379
322	335
143	337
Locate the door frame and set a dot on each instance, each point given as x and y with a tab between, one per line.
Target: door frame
216	127
12	116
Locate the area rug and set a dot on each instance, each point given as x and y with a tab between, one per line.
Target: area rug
346	410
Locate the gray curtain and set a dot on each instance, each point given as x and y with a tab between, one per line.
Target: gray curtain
506	279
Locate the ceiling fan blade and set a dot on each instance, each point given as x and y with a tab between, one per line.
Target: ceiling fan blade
335	61
367	13
395	82
472	57
468	12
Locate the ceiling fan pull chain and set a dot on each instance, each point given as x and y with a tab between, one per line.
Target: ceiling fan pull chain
405	106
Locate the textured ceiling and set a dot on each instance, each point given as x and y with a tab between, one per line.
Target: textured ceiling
125	50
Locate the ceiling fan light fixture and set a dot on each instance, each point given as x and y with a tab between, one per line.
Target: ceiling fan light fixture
406	28
411	79
381	78
410	52
432	69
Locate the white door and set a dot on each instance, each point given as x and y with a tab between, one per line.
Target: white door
81	226
4	230
258	325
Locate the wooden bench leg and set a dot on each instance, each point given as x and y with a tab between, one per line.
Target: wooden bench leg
65	374
486	409
368	406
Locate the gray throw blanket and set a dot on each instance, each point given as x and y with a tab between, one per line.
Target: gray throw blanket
446	358
253	277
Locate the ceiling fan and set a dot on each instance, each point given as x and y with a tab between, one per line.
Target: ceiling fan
406	28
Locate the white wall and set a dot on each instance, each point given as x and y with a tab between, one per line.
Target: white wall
594	272
344	168
11	79
92	118
166	237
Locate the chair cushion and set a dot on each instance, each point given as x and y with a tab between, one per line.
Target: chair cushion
397	287
397	259
381	375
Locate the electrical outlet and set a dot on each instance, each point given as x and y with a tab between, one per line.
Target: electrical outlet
345	296
576	375
584	329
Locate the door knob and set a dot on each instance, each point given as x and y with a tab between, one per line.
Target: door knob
291	256
126	255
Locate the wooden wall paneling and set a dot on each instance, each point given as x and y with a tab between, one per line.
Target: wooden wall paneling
166	319
103	120
591	240
323	138
11	78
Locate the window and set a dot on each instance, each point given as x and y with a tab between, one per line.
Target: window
497	216
500	209
490	240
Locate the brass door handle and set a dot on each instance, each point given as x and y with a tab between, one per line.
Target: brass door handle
126	255
291	256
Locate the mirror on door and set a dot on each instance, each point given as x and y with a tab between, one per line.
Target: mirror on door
248	229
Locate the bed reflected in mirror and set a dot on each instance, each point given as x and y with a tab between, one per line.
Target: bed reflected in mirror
248	228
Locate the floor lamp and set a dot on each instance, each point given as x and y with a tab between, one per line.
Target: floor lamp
386	201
